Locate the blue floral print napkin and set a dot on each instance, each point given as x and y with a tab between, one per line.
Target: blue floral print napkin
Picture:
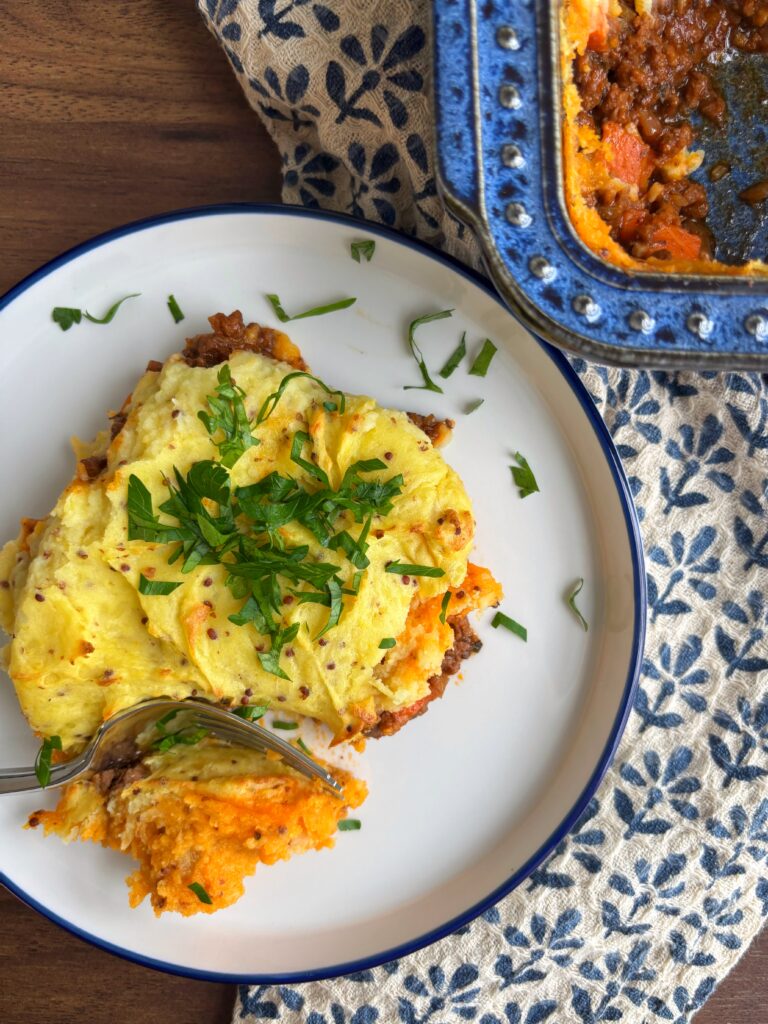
659	889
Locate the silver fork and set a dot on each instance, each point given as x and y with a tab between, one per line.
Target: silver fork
127	726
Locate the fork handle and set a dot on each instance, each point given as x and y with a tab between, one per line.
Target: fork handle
23	780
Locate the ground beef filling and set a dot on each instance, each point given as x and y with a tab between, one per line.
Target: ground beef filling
438	431
229	334
639	86
118	767
465	643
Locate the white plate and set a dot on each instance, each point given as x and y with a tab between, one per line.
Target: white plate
466	800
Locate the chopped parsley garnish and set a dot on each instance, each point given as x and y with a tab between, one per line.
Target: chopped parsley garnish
429	384
473	406
330	407
43	759
444	606
200	892
349	825
403	569
283	317
576	590
184	736
251	712
523	476
270	661
187	738
455	358
65	316
156	587
500	619
228	415
363	250
300	743
480	366
175	310
241	528
285	725
387	643
270	402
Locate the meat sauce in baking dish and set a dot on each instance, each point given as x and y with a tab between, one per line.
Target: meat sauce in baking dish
639	77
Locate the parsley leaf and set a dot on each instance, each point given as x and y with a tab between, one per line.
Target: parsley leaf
455	358
228	415
403	569
387	643
270	661
500	619
363	250
473	406
270	402
350	825
155	587
200	892
43	759
184	736
251	712
300	438
175	310
576	590
444	606
109	316
283	317
523	476
64	316
480	366
429	384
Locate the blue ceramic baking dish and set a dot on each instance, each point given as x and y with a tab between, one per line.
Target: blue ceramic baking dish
498	113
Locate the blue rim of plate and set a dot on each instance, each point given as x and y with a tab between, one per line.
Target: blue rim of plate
639	594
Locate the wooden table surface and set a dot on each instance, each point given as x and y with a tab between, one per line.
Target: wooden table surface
111	111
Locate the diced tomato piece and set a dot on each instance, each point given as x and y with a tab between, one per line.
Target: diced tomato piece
627	155
679	243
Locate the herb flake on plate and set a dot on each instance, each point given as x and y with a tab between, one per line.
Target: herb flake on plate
331	307
350	825
500	619
483	360
455	357
175	310
66	316
429	384
523	476
573	594
363	250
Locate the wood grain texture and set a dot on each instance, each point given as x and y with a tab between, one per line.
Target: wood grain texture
111	111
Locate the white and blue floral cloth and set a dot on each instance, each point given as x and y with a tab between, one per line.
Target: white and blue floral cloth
659	889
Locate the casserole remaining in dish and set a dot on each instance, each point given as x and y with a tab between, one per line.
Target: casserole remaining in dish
246	534
640	81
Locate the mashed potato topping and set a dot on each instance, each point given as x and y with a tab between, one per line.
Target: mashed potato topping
248	536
